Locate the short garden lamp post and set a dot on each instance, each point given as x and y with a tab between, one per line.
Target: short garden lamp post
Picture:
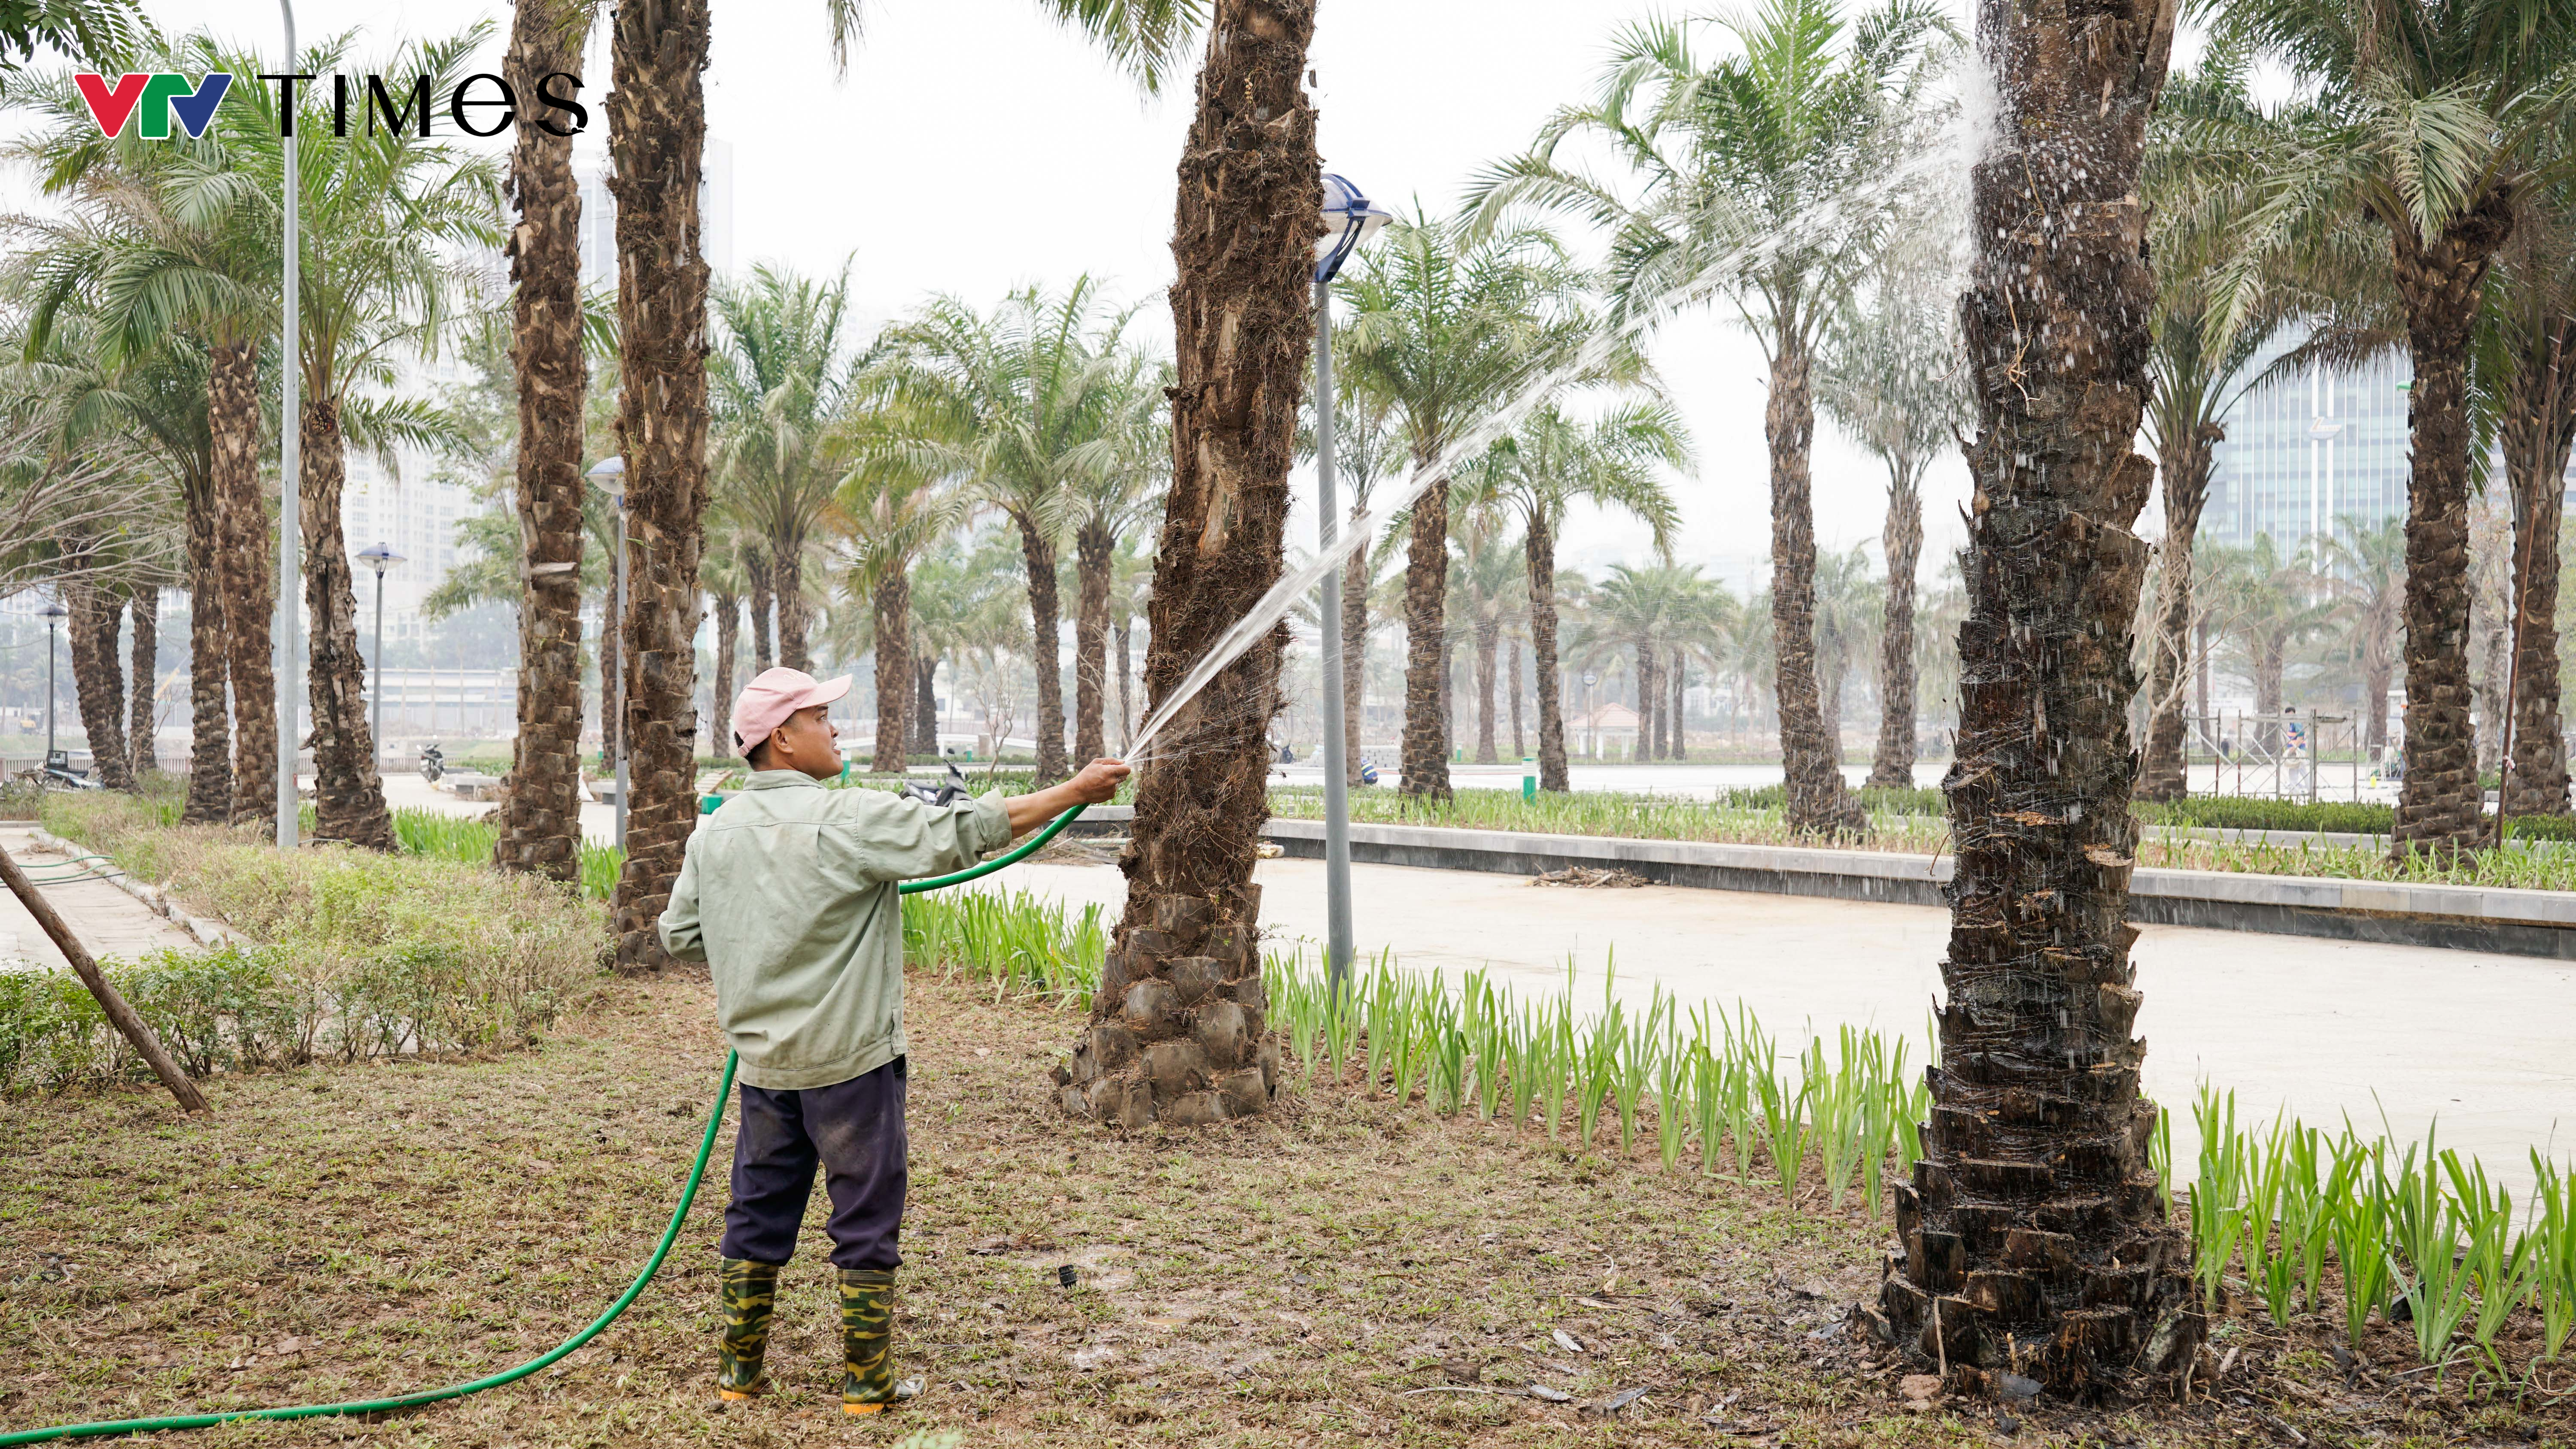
54	614
609	474
1349	219
380	557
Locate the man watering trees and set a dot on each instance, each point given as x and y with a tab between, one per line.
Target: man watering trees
789	895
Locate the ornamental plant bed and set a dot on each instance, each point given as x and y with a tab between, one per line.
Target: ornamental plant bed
1351	1269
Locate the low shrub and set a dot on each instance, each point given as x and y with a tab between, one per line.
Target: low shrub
361	955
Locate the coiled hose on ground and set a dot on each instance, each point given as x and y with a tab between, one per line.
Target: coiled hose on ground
661	1250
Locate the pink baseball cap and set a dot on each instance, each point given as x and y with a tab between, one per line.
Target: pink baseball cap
767	701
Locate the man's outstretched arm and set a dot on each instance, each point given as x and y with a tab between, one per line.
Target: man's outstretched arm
1096	783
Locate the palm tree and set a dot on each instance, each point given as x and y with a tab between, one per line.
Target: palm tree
2364	570
895	512
2207	144
1445	317
1243	237
540	825
380	210
1764	174
2270	603
2035	1233
1891	376
2527	346
1108	502
2428	124
781	379
1488	592
1850	607
1368	452
175	252
1550	460
1030	405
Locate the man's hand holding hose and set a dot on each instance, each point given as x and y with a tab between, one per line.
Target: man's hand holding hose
1093	785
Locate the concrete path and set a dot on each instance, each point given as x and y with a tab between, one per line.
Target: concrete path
2326	1028
109	922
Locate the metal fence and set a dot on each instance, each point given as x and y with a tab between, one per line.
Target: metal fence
2292	755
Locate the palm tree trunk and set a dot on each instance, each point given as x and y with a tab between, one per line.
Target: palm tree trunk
2539	783
144	604
1513	686
1126	704
98	678
2492	629
787	570
925	704
1650	722
2034	1235
1489	638
1679	672
1830	673
755	565
728	611
210	735
1046	614
349	797
1893	766
540	824
891	600
1816	799
2270	653
611	654
657	130
2188	462
2378	676
1093	549
1425	757
2440	808
1540	551
1355	635
1242	245
248	573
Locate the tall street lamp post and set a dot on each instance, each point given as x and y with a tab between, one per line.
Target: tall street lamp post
54	615
290	493
380	557
1348	221
610	476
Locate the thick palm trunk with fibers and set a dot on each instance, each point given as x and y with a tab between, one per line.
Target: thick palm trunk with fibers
1425	759
755	564
1489	641
98	679
1893	768
1540	550
1046	614
1093	545
925	705
540	825
249	574
2035	1238
657	132
1178	1031
728	610
144	606
2440	808
2186	470
891	601
349	798
2536	441
787	566
210	734
1816	799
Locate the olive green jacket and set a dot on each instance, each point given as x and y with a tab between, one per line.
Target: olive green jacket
788	894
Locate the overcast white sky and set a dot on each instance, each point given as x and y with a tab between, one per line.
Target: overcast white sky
973	146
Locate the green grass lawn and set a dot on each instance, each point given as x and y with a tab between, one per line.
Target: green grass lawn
1301	1279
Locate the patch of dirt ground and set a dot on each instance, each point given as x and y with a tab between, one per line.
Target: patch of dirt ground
1349	1270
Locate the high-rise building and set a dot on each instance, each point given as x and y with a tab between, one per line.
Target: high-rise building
2308	450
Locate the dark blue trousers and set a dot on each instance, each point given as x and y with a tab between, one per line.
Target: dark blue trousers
854	1130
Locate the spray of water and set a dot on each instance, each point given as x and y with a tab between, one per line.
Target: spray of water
1546	379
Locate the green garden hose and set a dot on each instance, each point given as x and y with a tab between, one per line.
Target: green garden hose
661	1250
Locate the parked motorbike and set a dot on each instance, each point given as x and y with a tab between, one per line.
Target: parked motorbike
59	774
432	763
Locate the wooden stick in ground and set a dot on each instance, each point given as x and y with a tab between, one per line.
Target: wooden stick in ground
122	1015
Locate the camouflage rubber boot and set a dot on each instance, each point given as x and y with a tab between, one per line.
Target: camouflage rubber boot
867	1340
750	1296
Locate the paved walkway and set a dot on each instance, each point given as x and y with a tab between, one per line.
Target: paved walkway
2327	1028
108	921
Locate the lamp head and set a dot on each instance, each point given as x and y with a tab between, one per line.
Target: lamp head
608	475
54	610
1349	219
379	556
2325	429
